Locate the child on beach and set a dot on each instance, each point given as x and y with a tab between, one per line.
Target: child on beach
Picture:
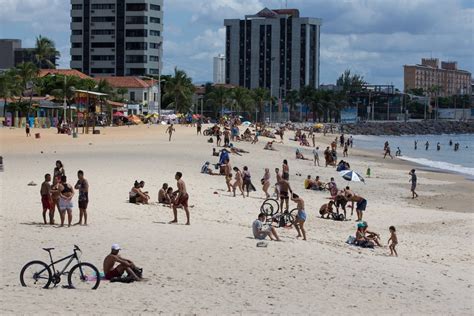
393	238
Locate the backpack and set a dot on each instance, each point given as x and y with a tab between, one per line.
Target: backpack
338	217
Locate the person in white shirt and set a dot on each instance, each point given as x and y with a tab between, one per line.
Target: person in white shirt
316	156
259	232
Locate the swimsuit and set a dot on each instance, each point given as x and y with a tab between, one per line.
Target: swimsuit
65	203
301	215
182	200
361	205
113	274
284	195
83	196
46	201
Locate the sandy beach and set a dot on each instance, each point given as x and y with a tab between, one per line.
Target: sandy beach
214	266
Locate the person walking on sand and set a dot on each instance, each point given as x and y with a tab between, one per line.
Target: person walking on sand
170	131
27	130
387	152
66	193
46	199
316	156
300	216
83	186
238	182
438	146
285	169
181	199
228	174
413	181
393	238
266	182
247	180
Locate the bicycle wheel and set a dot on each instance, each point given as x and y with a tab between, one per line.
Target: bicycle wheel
272	204
288	218
36	274
267	209
84	276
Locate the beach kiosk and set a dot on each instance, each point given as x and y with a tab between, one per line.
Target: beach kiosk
88	103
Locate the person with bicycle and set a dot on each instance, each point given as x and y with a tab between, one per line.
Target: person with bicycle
300	217
124	265
259	232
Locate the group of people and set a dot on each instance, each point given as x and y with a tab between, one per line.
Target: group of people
59	195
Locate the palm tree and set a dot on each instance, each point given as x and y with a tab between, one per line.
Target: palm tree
350	82
292	97
28	74
65	89
260	96
180	88
242	99
218	98
122	92
10	86
45	50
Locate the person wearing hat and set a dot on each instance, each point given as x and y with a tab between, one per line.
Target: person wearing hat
124	265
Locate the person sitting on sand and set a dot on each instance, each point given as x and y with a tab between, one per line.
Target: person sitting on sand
371	236
299	155
206	170
308	182
124	265
326	209
300	216
261	233
269	146
360	239
136	195
162	197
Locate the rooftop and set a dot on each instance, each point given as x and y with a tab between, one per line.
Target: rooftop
125	82
63	72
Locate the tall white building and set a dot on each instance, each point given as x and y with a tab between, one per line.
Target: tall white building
219	69
117	37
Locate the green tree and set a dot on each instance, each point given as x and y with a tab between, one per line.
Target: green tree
350	83
242	99
260	96
218	98
28	74
179	87
45	50
10	86
122	92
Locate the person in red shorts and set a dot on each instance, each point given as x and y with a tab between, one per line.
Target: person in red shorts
181	199
124	265
46	199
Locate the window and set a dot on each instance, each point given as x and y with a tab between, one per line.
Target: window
77	19
76	45
77	6
102	57
76	32
154	71
154	58
102	45
76	57
135	59
103	19
135	46
136	72
145	96
136	33
137	7
154	20
154	33
103	70
103	6
103	32
155	45
155	7
132	96
136	20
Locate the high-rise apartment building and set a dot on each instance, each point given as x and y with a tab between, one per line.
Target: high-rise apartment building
443	81
274	49
12	54
219	69
117	37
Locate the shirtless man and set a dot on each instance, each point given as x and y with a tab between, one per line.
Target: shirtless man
123	265
83	186
181	199
226	137
326	209
228	174
162	196
284	187
361	205
46	199
170	131
300	217
238	182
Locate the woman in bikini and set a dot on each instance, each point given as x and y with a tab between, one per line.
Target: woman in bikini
136	195
66	192
238	182
266	182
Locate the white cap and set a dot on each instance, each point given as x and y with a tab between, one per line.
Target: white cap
116	247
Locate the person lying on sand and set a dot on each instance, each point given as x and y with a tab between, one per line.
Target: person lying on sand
124	265
269	146
236	150
326	209
260	233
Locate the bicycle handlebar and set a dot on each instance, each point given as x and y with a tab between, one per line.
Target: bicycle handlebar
77	248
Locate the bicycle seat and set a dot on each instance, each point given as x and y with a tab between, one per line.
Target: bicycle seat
48	249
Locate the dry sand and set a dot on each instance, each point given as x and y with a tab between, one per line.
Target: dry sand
214	266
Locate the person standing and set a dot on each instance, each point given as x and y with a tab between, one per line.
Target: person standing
170	131
198	127
438	146
27	130
66	193
266	182
300	216
387	152
46	199
181	199
413	181
313	138
344	153
416	144
238	182
427	145
247	180
285	169
316	156
83	186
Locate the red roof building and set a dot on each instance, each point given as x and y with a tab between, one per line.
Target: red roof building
63	72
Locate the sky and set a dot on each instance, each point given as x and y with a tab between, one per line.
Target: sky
374	38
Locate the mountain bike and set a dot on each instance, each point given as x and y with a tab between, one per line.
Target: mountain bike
83	275
271	208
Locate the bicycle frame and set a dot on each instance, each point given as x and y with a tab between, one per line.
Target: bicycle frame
71	259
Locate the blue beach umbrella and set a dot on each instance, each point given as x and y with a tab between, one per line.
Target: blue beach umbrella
351	175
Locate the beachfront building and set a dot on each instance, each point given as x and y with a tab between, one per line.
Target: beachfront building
219	69
12	54
141	93
443	81
273	49
117	37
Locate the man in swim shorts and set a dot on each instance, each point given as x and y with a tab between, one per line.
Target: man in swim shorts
124	265
46	199
284	187
181	199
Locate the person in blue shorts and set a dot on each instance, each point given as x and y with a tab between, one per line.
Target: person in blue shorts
300	217
361	205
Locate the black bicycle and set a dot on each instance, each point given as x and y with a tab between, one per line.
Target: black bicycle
271	208
82	275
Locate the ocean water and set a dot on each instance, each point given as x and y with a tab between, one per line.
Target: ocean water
461	161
